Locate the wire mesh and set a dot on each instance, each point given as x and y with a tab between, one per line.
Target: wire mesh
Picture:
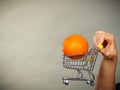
85	63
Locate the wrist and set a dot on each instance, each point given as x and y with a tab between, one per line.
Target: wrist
109	64
112	59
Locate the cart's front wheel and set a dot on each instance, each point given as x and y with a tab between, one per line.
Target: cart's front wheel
88	81
91	82
66	82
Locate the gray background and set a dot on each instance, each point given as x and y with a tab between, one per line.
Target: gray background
31	37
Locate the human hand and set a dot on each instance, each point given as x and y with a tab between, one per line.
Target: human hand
108	41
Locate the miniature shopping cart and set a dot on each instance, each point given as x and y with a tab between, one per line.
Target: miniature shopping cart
85	64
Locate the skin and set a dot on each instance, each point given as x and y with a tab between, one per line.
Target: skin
106	75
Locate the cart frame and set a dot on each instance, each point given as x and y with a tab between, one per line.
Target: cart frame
86	64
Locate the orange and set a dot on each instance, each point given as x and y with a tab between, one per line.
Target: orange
75	46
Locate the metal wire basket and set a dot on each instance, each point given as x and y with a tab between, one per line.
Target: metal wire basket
86	64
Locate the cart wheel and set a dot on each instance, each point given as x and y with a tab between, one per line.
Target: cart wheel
88	82
66	82
92	83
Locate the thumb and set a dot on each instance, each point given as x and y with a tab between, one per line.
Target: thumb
98	39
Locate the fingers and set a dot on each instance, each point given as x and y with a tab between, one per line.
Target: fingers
109	50
102	37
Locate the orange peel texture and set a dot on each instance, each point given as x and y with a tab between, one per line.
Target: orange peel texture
75	46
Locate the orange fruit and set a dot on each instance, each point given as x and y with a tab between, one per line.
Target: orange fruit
75	46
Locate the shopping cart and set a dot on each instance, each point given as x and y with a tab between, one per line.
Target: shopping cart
85	64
